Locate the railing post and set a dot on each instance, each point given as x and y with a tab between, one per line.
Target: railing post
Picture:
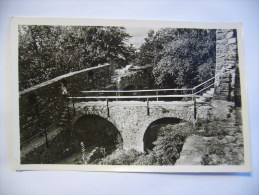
147	107
107	106
46	137
192	93
194	107
40	125
157	95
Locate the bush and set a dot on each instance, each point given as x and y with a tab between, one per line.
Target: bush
148	159
168	148
121	157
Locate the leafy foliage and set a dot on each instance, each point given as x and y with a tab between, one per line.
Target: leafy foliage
180	57
147	50
168	145
121	157
49	51
170	141
167	149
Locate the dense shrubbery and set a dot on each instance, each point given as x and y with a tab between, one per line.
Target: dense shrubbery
170	142
180	57
49	51
121	157
167	148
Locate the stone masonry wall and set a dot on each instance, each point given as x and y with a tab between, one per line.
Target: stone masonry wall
226	64
43	106
140	79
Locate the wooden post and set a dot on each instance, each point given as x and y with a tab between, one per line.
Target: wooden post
194	107
147	107
157	95
107	105
68	110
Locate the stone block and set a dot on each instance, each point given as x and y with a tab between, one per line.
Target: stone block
232	40
230	34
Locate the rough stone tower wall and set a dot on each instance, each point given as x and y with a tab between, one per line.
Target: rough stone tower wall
226	64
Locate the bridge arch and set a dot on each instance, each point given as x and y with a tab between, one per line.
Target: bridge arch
154	130
97	131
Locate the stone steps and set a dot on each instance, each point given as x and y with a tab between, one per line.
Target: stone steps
206	96
211	91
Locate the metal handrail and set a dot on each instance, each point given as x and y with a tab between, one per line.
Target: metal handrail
203	83
203	89
132	97
39	133
212	78
127	91
192	95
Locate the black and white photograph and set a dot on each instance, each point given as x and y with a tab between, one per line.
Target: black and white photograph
148	96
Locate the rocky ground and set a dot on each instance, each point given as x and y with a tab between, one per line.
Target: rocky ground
213	148
218	141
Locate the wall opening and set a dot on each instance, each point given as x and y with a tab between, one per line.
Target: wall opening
164	139
154	129
97	132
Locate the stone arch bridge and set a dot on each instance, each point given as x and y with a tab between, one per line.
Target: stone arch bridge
132	118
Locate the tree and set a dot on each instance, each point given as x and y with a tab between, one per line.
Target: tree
146	56
180	56
49	51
